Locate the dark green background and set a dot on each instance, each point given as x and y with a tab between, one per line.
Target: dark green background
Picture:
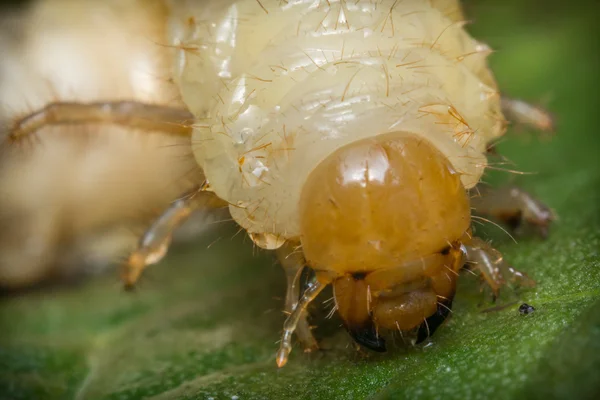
205	322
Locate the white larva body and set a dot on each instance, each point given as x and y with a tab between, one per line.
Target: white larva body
278	86
76	196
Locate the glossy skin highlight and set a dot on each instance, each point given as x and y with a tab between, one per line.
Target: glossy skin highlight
383	219
387	200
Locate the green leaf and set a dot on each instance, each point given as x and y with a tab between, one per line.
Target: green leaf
205	322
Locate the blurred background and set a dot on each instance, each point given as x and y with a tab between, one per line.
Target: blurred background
205	321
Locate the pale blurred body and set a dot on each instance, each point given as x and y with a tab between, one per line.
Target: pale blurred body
86	192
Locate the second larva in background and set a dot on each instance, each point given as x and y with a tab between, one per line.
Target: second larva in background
82	194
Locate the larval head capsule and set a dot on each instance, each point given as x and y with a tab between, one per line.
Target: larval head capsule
382	218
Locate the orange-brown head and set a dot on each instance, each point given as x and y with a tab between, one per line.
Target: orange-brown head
382	219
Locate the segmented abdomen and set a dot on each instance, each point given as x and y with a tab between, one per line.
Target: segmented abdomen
279	85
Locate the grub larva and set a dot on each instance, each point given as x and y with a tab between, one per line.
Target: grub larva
346	135
75	197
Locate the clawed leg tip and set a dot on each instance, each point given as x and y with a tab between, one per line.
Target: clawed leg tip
281	360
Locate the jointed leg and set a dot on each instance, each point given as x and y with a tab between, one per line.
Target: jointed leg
153	245
293	264
520	112
513	206
492	266
175	121
312	291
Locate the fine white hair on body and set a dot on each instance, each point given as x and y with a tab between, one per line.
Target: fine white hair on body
278	86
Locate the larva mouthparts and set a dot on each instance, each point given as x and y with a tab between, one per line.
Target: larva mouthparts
346	135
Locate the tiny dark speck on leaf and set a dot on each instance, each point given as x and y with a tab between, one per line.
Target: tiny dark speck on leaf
525	309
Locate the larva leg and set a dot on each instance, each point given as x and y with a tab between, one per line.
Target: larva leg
523	113
513	206
133	114
492	266
313	289
293	264
153	245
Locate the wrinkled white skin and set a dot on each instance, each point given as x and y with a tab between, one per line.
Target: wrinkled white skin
274	93
277	88
75	197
